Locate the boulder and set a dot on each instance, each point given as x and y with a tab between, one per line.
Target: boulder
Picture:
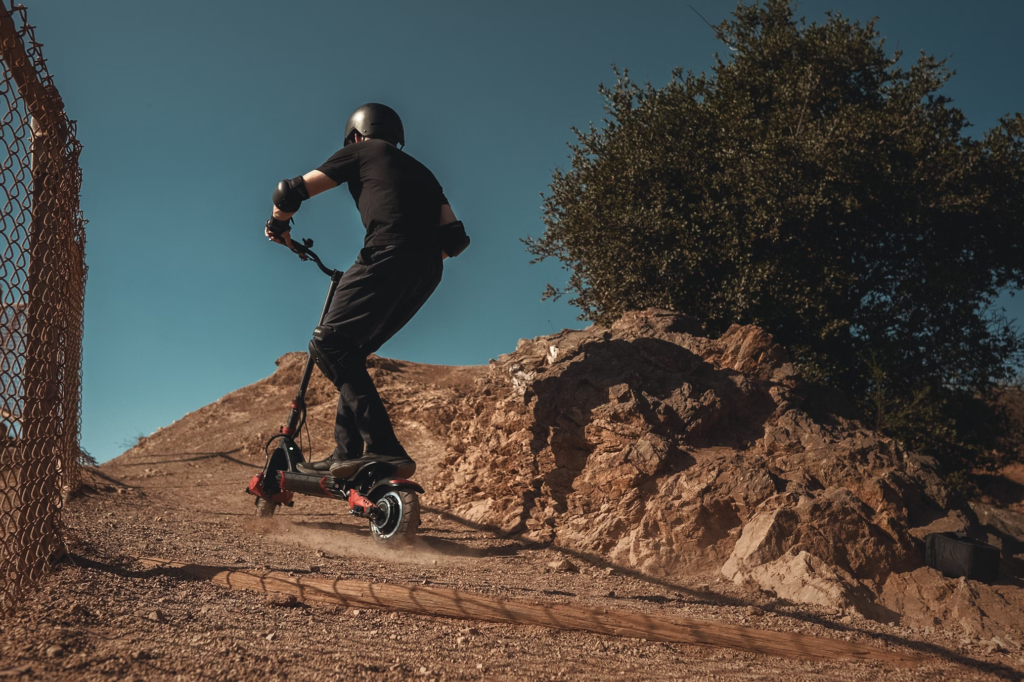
927	599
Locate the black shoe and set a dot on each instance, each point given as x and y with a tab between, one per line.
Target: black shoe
404	466
323	466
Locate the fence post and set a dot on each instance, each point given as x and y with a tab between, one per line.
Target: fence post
43	294
40	419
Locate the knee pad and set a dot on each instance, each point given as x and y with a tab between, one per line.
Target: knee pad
331	352
321	361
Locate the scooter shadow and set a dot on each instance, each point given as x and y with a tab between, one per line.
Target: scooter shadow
438	545
455	549
335	526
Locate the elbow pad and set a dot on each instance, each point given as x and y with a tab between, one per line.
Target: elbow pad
290	194
454	239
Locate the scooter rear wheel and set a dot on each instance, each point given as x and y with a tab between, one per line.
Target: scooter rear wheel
400	517
265	508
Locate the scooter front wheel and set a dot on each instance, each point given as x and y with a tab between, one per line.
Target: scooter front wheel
399	517
265	508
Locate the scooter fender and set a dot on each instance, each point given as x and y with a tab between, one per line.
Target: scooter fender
286	456
383	486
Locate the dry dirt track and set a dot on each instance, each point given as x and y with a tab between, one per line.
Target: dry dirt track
114	619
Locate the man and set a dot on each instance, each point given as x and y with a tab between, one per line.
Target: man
410	230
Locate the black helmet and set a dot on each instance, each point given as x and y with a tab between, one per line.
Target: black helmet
377	121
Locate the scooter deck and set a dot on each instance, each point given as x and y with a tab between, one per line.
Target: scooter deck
320	485
317	485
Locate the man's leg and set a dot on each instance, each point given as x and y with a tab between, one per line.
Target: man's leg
371	417
346	433
375	298
362	420
352	302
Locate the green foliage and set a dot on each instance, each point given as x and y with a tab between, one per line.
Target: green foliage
813	186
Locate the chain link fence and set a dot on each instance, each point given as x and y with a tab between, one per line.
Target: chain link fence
42	293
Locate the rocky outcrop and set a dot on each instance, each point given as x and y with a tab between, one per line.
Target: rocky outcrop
926	599
654	446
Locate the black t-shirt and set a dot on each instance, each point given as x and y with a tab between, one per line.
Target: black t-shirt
399	199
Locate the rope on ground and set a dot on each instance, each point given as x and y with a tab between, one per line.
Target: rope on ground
432	601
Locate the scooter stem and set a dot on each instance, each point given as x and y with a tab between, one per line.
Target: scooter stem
299	403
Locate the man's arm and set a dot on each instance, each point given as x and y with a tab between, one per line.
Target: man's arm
447	216
316	183
453	237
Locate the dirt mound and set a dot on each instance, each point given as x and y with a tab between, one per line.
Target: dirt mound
651	445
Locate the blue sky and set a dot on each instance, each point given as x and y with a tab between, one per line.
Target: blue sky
190	112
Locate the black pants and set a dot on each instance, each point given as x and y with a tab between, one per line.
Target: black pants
375	298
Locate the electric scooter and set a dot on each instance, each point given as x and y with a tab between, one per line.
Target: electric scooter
378	491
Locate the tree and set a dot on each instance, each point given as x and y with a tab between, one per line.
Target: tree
813	186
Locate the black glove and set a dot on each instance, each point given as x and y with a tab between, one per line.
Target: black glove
454	239
279	227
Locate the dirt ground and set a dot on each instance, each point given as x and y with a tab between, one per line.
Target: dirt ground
179	495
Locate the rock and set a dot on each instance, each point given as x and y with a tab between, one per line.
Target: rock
271	637
754	611
994	645
281	600
460	640
1005	643
953	522
563	566
156	616
835	527
925	598
803	578
55	651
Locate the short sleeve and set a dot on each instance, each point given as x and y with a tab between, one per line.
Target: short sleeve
343	165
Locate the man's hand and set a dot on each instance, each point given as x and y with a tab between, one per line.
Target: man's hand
278	236
278	228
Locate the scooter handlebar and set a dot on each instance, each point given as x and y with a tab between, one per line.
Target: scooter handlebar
302	248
